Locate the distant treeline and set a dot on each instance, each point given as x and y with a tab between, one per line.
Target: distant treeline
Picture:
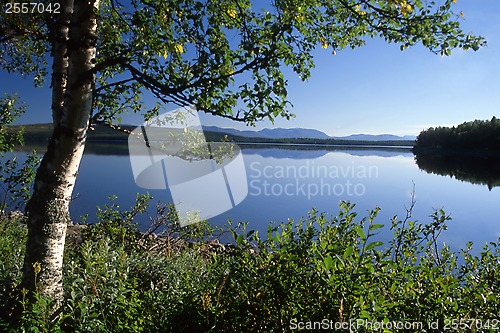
477	136
39	133
217	136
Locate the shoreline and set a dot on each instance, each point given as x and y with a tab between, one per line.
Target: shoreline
455	152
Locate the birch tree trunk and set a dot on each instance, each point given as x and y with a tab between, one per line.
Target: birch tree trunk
48	210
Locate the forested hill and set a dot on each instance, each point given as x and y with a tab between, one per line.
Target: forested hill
473	136
39	133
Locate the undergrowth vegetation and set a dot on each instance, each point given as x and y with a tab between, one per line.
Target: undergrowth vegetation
310	274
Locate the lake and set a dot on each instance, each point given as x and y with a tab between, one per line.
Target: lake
288	181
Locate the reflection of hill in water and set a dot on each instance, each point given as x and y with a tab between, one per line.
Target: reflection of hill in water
117	148
315	151
381	152
484	170
281	152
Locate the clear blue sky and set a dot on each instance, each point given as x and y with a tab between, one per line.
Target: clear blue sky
374	89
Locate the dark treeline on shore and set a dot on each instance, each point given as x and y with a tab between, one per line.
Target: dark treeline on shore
474	136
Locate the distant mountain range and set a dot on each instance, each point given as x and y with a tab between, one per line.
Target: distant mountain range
378	137
290	133
41	133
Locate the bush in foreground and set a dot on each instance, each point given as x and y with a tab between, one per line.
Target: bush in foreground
315	273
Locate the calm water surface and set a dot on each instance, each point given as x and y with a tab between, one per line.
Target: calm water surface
285	182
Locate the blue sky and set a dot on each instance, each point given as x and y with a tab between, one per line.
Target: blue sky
374	89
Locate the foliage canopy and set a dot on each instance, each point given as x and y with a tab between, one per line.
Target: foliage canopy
225	57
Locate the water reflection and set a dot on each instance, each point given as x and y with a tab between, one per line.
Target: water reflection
296	151
287	182
483	170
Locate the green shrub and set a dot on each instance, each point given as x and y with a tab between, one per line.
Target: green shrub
318	269
12	240
118	279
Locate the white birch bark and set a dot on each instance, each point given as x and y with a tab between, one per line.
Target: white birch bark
48	209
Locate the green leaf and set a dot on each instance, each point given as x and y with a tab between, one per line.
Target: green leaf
376	226
239	239
329	263
360	232
348	251
372	245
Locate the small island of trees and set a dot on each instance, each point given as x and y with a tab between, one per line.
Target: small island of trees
473	136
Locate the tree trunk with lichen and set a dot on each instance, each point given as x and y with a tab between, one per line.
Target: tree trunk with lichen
48	210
